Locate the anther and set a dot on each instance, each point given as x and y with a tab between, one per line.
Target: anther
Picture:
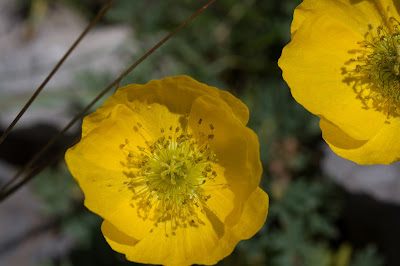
169	178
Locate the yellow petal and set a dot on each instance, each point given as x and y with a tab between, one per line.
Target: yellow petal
176	93
337	137
206	244
96	162
190	245
313	64
236	146
253	218
355	14
383	148
102	148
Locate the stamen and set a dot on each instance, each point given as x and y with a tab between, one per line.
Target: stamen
169	176
378	68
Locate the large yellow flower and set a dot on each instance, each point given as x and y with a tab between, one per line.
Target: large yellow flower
342	64
173	170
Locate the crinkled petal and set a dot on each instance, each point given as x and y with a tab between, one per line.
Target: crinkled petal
97	161
206	244
357	15
383	148
176	93
102	148
253	218
187	246
236	147
313	65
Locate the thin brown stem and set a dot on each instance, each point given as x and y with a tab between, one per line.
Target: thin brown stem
117	86
40	88
4	192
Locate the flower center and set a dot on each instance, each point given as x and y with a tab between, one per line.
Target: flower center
379	66
167	176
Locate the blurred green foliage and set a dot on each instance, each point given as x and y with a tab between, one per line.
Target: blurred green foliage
235	46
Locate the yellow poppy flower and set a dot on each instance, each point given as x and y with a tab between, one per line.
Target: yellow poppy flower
342	65
173	170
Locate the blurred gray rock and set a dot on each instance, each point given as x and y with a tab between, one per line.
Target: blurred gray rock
382	182
27	58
